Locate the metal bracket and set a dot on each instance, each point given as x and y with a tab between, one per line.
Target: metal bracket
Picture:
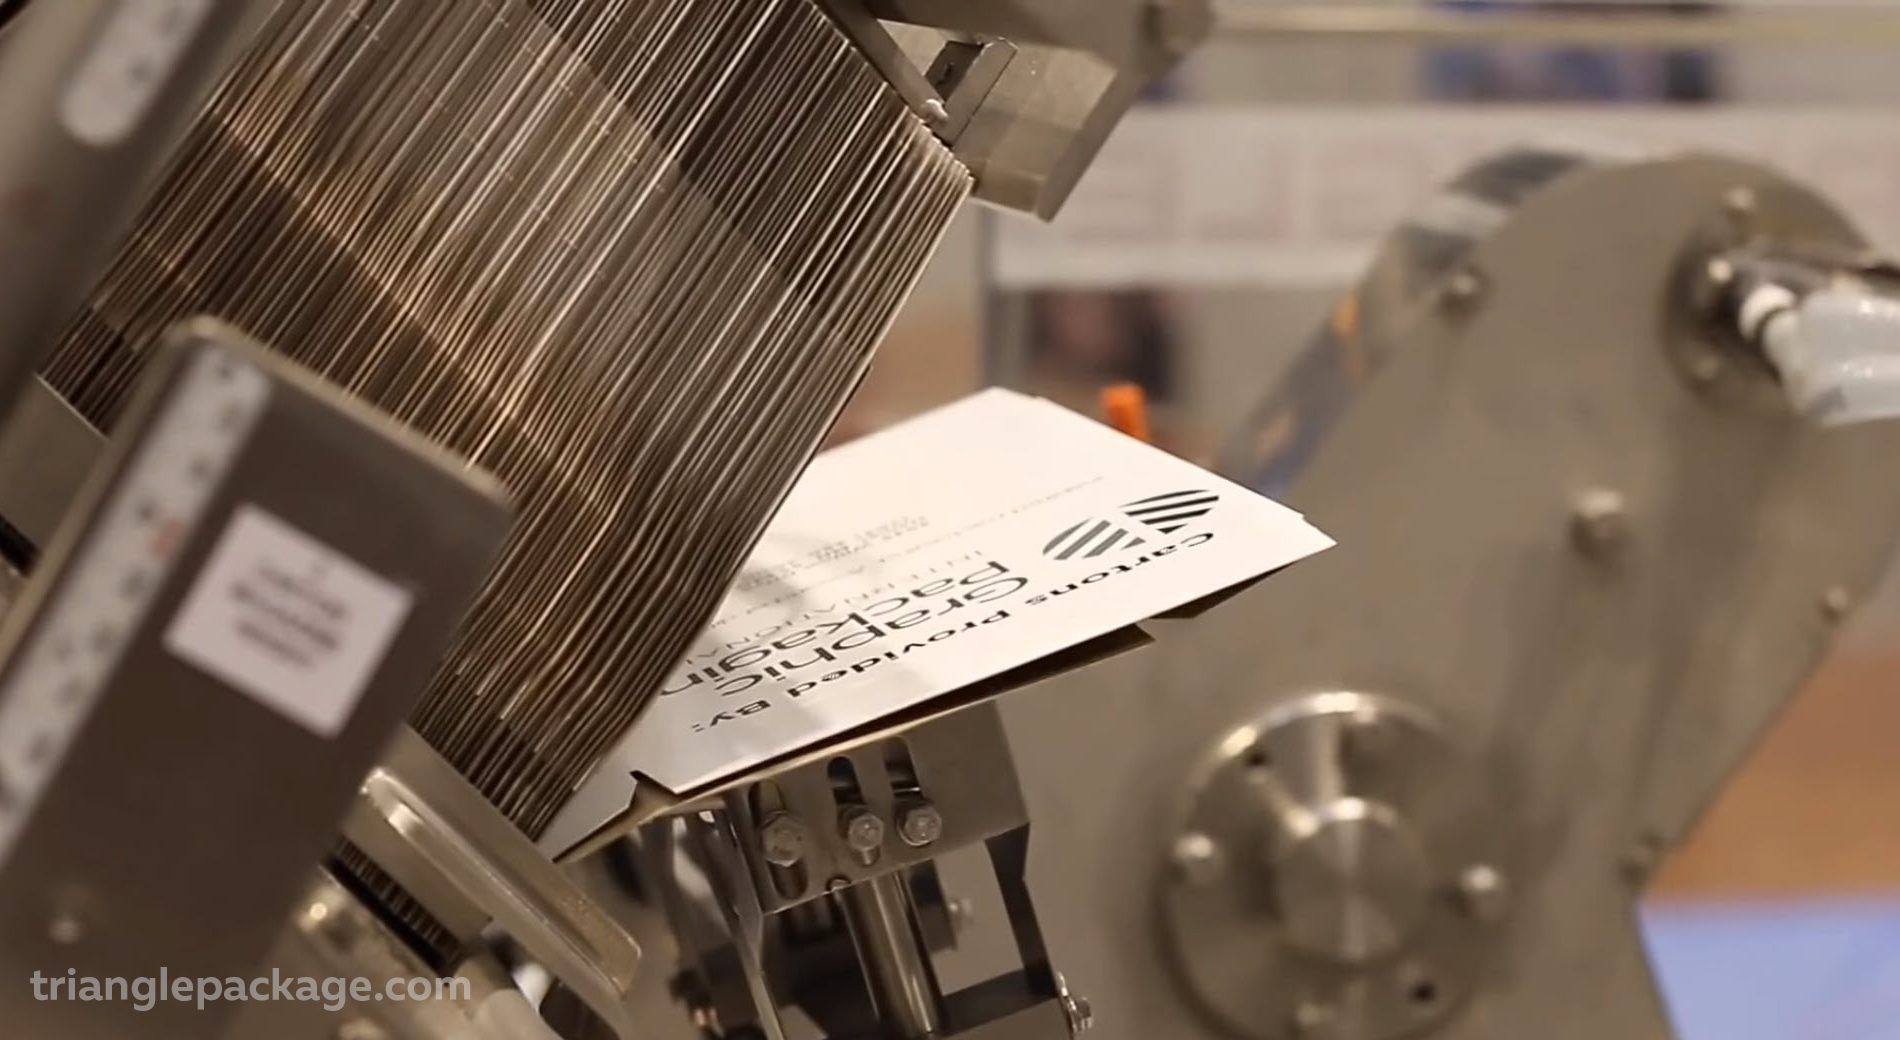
943	79
432	831
874	807
964	75
1025	93
826	847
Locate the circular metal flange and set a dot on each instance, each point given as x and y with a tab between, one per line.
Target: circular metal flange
1335	871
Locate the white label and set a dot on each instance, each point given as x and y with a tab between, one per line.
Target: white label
123	73
288	621
938	553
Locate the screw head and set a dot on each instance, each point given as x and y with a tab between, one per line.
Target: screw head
863	830
1311	1015
1600	521
66	929
1462	289
1198	860
1639	861
920	824
1741	202
783	839
1836	602
73	914
1484	892
1720	270
936	113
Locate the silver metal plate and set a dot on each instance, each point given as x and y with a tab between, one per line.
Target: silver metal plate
1626	680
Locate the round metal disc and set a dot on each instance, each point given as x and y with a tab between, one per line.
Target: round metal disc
1333	873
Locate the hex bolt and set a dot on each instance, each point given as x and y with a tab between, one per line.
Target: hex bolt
1462	289
1484	892
936	113
1599	522
1836	602
1639	861
1198	859
863	831
783	839
1080	1013
920	824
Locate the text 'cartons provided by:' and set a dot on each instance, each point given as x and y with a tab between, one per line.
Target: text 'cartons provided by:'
941	552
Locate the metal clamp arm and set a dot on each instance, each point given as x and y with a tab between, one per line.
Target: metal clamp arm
435	834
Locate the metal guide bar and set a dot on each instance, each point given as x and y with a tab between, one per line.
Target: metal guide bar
209	657
69	660
1613	24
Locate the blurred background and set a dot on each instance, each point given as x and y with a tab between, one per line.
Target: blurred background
1230	214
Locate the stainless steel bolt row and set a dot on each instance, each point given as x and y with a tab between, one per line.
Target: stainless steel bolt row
785	839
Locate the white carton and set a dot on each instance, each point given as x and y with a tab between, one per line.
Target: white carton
972	540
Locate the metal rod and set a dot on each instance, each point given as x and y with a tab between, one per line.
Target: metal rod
1631	25
903	985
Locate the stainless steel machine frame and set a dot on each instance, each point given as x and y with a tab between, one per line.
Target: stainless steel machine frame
1363	813
1584	543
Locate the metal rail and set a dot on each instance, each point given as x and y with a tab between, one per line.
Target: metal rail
1615	24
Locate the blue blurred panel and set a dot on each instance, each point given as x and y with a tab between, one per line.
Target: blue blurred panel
1798	970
